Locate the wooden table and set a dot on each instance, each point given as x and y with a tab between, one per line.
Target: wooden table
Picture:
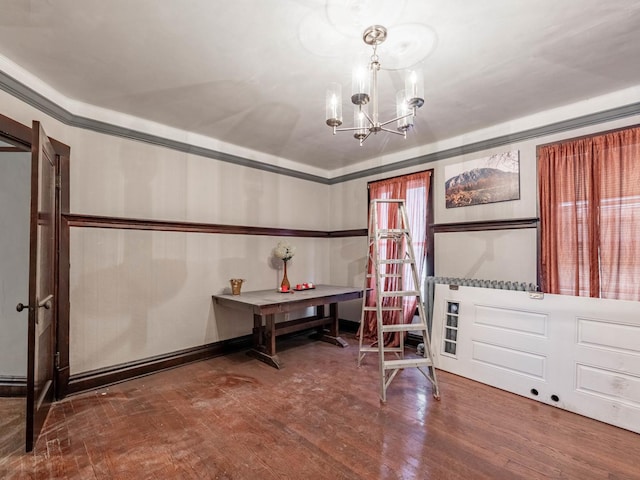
264	304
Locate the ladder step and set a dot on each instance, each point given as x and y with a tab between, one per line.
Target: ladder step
384	309
393	230
400	293
404	327
390	234
387	200
407	363
385	350
385	275
395	261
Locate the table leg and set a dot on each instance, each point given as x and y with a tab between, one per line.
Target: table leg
270	334
333	334
258	335
264	341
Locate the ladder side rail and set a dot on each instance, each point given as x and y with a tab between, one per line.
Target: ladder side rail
379	297
426	338
369	270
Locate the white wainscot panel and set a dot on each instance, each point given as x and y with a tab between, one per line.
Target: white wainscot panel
514	361
510	319
609	385
609	335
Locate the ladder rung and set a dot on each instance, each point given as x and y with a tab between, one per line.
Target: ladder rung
385	350
387	200
394	261
390	234
400	293
404	327
384	309
385	275
407	363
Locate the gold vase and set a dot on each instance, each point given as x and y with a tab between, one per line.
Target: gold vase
236	285
285	280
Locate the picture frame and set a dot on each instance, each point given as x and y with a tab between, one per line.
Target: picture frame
491	179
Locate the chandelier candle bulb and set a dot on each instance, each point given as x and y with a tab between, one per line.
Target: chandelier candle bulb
334	105
360	85
414	88
360	121
402	110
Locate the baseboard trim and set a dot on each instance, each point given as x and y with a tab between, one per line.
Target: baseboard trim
349	326
94	379
11	386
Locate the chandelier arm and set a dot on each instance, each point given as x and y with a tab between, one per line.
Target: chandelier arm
393	131
350	129
365	137
366	115
397	118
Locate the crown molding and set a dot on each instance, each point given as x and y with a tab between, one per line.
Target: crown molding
47	106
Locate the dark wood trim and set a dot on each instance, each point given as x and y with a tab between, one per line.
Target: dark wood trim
13	386
539	229
62	274
356	232
513	224
62	369
95	221
349	326
15	133
127	371
431	238
12	150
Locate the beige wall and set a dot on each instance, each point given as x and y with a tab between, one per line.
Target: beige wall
135	294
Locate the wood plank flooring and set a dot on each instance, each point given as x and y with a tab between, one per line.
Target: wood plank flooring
318	418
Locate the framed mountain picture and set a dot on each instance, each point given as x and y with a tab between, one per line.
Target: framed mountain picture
484	180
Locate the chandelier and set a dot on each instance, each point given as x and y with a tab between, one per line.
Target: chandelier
364	96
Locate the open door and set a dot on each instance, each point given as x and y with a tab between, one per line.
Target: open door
42	303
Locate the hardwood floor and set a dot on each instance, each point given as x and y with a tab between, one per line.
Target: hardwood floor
318	418
12	427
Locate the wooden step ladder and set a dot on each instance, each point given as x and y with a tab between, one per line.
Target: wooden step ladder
390	252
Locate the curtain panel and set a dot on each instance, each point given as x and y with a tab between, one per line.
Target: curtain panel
589	193
414	189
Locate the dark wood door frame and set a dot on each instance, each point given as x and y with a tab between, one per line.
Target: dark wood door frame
20	135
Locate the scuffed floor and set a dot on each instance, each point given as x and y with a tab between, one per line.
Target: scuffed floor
319	417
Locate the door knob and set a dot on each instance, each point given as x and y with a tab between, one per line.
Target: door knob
45	302
21	307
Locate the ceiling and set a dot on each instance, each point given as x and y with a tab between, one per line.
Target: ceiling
254	73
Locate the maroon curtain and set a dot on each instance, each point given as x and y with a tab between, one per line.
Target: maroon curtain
589	192
414	189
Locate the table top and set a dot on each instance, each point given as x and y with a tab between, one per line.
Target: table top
271	301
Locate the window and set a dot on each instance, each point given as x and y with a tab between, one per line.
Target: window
415	190
590	215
